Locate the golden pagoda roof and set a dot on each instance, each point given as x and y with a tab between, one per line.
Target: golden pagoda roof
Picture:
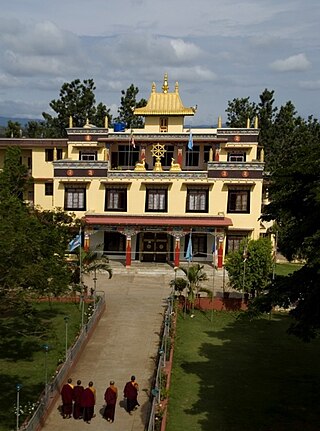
164	103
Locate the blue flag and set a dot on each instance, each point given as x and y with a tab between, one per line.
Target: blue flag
75	243
190	143
189	250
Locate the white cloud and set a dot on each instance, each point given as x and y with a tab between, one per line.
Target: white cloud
184	50
310	85
295	63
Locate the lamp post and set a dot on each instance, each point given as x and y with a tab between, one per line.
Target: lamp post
66	320
94	287
18	388
174	287
46	350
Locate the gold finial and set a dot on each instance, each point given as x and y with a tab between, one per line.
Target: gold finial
256	122
153	88
70	122
165	86
248	123
106	125
176	87
219	122
262	155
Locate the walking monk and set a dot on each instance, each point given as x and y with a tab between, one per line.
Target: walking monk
110	397
130	392
77	395
67	398
88	401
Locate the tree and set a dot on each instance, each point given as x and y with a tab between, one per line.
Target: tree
239	110
91	262
128	104
35	129
77	99
13	129
194	276
250	268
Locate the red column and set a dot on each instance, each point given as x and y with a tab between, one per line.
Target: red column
180	157
128	251
177	252
86	244
220	254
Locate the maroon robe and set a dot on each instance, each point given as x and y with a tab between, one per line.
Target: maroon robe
131	393
88	402
77	396
67	398
110	397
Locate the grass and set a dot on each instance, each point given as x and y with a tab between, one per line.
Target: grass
23	360
232	375
287	268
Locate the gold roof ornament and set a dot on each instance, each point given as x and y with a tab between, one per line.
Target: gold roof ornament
164	103
256	122
70	122
219	122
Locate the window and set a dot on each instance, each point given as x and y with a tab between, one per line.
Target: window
156	199
236	157
75	198
197	200
168	155
233	242
199	244
163	124
116	199
114	243
48	189
49	154
239	201
125	156
192	156
88	155
206	153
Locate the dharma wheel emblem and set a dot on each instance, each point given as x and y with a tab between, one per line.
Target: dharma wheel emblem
236	138
245	174
69	172
224	174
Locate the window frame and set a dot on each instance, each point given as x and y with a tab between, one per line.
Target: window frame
233	195
122	199
192	158
194	192
156	191
77	191
48	189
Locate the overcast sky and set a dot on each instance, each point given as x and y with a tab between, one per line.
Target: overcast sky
216	50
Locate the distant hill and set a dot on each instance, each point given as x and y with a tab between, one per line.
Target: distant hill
22	121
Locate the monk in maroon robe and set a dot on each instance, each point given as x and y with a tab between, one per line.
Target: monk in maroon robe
67	398
88	401
77	396
110	397
130	392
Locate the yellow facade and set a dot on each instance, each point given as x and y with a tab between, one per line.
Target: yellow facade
143	191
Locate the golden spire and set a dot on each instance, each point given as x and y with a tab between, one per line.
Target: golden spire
219	122
256	122
70	122
248	123
106	125
153	88
165	86
176	87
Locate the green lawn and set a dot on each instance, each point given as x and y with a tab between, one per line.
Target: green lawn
23	359
287	268
231	375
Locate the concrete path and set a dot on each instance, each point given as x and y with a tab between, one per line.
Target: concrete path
125	342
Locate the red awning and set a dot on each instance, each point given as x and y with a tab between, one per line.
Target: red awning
157	221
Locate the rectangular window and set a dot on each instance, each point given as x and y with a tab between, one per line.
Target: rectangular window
239	201
116	199
206	153
48	189
49	154
192	156
233	242
156	200
168	155
197	200
163	124
126	156
59	153
114	243
88	155
199	245
75	198
236	157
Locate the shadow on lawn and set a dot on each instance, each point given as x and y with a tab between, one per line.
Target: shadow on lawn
255	377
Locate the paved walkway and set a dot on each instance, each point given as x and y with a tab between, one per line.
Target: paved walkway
125	342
